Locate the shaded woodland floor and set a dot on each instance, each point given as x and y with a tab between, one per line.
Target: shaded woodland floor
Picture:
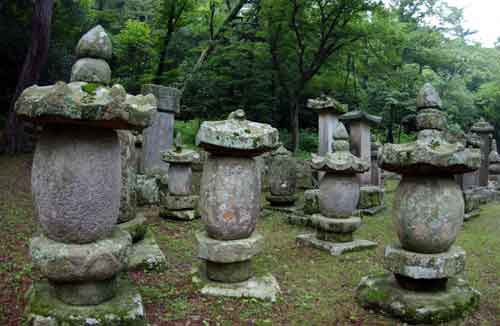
317	289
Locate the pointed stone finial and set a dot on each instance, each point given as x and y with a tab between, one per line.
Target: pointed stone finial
340	132
178	142
95	44
341	137
428	98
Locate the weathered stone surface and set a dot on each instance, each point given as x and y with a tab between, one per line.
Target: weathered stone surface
382	293
180	179
282	173
179	154
91	71
229	272
228	208
237	136
83	103
428	213
95	44
334	248
157	139
482	126
338	195
136	227
169	98
336	225
311	201
170	202
181	215
76	183
263	288
431	119
128	199
424	266
370	197
125	309
281	200
428	98
229	251
361	116
98	260
89	293
148	192
326	103
340	162
146	255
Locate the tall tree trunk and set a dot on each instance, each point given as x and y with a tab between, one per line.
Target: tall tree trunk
163	54
30	73
294	124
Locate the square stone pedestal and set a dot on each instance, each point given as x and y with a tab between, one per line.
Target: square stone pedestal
334	248
125	309
182	208
147	255
371	200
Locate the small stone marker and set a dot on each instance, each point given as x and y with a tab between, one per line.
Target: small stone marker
494	168
282	178
230	205
338	198
180	202
76	184
484	130
424	286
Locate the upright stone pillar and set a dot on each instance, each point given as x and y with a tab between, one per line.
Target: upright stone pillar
338	199
179	203
484	130
376	172
159	137
425	286
494	168
230	205
470	180
76	183
282	179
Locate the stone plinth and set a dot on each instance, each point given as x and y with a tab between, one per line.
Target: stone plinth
337	200
159	137
428	213
76	184
228	209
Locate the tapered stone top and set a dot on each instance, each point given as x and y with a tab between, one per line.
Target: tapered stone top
361	116
237	136
95	44
428	98
431	154
179	154
281	152
86	104
341	161
326	104
482	127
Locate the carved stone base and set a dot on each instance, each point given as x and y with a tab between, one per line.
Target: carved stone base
334	248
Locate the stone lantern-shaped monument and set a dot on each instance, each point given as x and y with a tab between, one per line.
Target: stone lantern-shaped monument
230	199
484	130
76	185
180	202
282	179
338	198
428	213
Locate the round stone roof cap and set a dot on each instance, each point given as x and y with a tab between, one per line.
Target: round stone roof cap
361	116
237	136
281	151
428	98
86	104
179	154
326	103
482	126
96	43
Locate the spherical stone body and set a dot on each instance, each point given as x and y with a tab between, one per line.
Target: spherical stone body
338	195
230	197
180	179
428	213
283	176
76	183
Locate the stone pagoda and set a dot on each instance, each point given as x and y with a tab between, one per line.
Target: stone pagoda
424	285
230	199
484	130
179	203
282	179
494	168
76	185
338	198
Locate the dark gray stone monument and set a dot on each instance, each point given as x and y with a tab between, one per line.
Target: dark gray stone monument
485	131
282	180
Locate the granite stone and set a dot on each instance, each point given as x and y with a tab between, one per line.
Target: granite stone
229	251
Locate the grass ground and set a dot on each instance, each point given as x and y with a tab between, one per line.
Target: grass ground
317	289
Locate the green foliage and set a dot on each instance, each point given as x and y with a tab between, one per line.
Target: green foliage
188	130
308	140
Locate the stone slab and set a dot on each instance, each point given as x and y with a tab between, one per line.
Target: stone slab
281	200
148	191
424	266
334	248
336	225
180	215
125	309
263	288
136	227
383	294
147	255
172	202
230	251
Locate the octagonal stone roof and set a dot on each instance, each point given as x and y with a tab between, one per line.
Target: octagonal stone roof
179	154
361	116
326	104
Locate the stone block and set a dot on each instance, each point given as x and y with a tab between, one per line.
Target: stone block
424	266
147	255
172	202
281	200
370	197
147	190
91	71
229	251
136	228
311	201
229	273
85	293
182	215
336	225
263	288
95	261
334	248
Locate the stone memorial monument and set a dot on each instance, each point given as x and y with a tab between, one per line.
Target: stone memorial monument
179	203
76	185
494	168
425	286
484	130
338	198
282	179
230	198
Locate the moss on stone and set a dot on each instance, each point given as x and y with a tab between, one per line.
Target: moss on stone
91	88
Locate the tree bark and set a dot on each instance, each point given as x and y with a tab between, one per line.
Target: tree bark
30	73
294	124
